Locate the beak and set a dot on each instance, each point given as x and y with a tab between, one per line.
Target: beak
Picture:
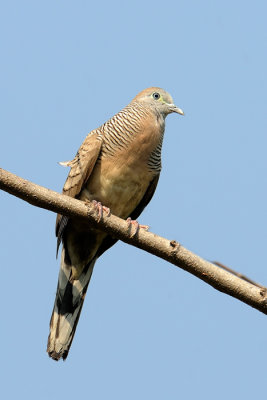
175	109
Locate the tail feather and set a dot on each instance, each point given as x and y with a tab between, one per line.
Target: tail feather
67	308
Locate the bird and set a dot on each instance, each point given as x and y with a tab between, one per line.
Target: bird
118	166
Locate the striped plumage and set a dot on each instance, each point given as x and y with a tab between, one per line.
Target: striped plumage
121	129
118	164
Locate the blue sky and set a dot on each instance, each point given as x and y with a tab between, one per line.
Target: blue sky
148	329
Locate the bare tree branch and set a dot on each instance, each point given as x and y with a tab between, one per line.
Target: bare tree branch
227	282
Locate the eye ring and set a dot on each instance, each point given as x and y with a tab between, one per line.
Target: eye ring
156	96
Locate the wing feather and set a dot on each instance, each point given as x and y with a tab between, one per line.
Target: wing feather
81	168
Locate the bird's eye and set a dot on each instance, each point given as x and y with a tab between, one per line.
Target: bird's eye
156	96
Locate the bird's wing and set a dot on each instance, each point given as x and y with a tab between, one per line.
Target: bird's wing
109	240
146	198
81	168
82	164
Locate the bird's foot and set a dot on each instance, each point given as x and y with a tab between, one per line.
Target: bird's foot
135	224
99	209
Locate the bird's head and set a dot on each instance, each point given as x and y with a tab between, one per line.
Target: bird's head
159	100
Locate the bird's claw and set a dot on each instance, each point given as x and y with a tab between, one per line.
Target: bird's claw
99	209
133	223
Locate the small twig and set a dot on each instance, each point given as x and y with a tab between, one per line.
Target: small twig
241	276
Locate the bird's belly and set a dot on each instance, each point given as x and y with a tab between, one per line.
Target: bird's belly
120	189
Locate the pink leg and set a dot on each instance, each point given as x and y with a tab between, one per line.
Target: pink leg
99	209
136	225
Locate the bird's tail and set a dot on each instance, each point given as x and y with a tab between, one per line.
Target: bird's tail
67	308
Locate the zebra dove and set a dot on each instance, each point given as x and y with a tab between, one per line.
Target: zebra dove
118	165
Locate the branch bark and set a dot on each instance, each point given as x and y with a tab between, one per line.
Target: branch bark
227	282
